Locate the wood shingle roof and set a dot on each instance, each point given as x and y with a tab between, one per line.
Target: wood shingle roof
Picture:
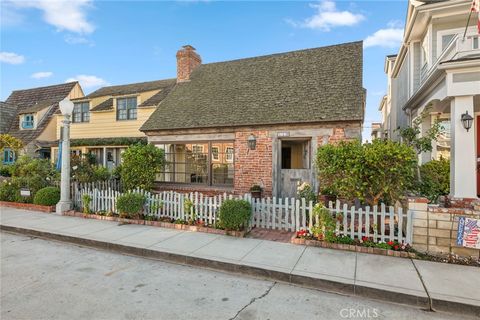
312	85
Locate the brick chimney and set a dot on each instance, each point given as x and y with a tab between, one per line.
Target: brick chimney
187	60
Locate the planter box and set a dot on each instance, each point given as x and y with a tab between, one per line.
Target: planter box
161	224
351	247
27	206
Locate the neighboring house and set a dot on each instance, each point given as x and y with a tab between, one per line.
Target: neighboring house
29	116
436	75
229	125
107	120
377	132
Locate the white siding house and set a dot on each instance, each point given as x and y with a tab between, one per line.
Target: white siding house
437	71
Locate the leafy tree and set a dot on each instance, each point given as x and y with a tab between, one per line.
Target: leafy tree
141	163
413	137
380	170
8	141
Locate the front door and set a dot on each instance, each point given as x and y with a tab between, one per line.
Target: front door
295	166
478	154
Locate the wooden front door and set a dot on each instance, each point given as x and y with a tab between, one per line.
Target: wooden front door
294	166
477	128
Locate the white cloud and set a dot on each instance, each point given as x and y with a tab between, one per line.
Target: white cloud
328	17
388	38
11	58
67	15
41	75
88	81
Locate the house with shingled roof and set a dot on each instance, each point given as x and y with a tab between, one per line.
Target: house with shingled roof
107	121
30	116
227	126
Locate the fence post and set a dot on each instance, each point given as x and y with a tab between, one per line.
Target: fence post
409	235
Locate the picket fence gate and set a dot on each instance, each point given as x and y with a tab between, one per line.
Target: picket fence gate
286	214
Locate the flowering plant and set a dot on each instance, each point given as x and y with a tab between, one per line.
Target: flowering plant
305	190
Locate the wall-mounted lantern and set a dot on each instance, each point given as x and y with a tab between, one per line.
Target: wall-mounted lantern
467	120
252	142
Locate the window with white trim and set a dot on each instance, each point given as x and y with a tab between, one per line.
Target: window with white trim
81	112
27	121
127	108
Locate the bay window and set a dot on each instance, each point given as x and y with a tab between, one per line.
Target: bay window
207	163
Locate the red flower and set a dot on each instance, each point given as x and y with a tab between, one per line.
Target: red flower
390	243
395	248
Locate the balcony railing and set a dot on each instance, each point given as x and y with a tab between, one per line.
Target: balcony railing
457	48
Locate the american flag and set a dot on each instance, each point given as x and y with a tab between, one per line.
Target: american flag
472	232
476	8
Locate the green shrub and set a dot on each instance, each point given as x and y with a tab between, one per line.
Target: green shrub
5	170
9	191
140	165
234	214
86	200
33	174
130	205
101	173
48	196
382	170
435	179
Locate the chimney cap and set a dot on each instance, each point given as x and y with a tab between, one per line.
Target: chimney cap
188	47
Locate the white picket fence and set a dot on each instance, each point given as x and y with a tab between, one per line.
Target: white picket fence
375	222
286	214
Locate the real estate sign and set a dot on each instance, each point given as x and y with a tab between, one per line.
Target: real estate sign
468	234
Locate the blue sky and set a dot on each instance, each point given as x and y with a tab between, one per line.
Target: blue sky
101	43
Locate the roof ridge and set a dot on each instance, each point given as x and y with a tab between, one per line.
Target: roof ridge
286	52
128	84
49	86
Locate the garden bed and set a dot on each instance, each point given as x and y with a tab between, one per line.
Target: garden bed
161	224
27	206
352	247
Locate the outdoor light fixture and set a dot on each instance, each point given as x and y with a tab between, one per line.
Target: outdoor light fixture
66	107
467	120
252	142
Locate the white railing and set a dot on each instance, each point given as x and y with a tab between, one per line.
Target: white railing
286	214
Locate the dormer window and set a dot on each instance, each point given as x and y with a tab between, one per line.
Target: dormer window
127	108
27	121
81	112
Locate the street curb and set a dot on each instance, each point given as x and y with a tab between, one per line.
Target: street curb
296	279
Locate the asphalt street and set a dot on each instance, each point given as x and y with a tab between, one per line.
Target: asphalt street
43	279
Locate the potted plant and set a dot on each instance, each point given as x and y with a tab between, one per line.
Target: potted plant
256	191
326	195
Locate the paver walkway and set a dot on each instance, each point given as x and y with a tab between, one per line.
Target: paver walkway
422	283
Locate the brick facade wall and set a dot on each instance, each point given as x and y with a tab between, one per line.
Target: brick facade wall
435	229
253	166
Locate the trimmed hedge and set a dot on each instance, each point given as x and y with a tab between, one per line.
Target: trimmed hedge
435	179
234	214
130	205
48	196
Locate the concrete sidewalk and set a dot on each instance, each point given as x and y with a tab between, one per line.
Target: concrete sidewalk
450	288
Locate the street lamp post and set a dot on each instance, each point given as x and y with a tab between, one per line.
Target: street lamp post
65	204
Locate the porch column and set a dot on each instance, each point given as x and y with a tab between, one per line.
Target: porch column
105	157
463	177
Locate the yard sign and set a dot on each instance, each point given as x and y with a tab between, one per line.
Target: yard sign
468	234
